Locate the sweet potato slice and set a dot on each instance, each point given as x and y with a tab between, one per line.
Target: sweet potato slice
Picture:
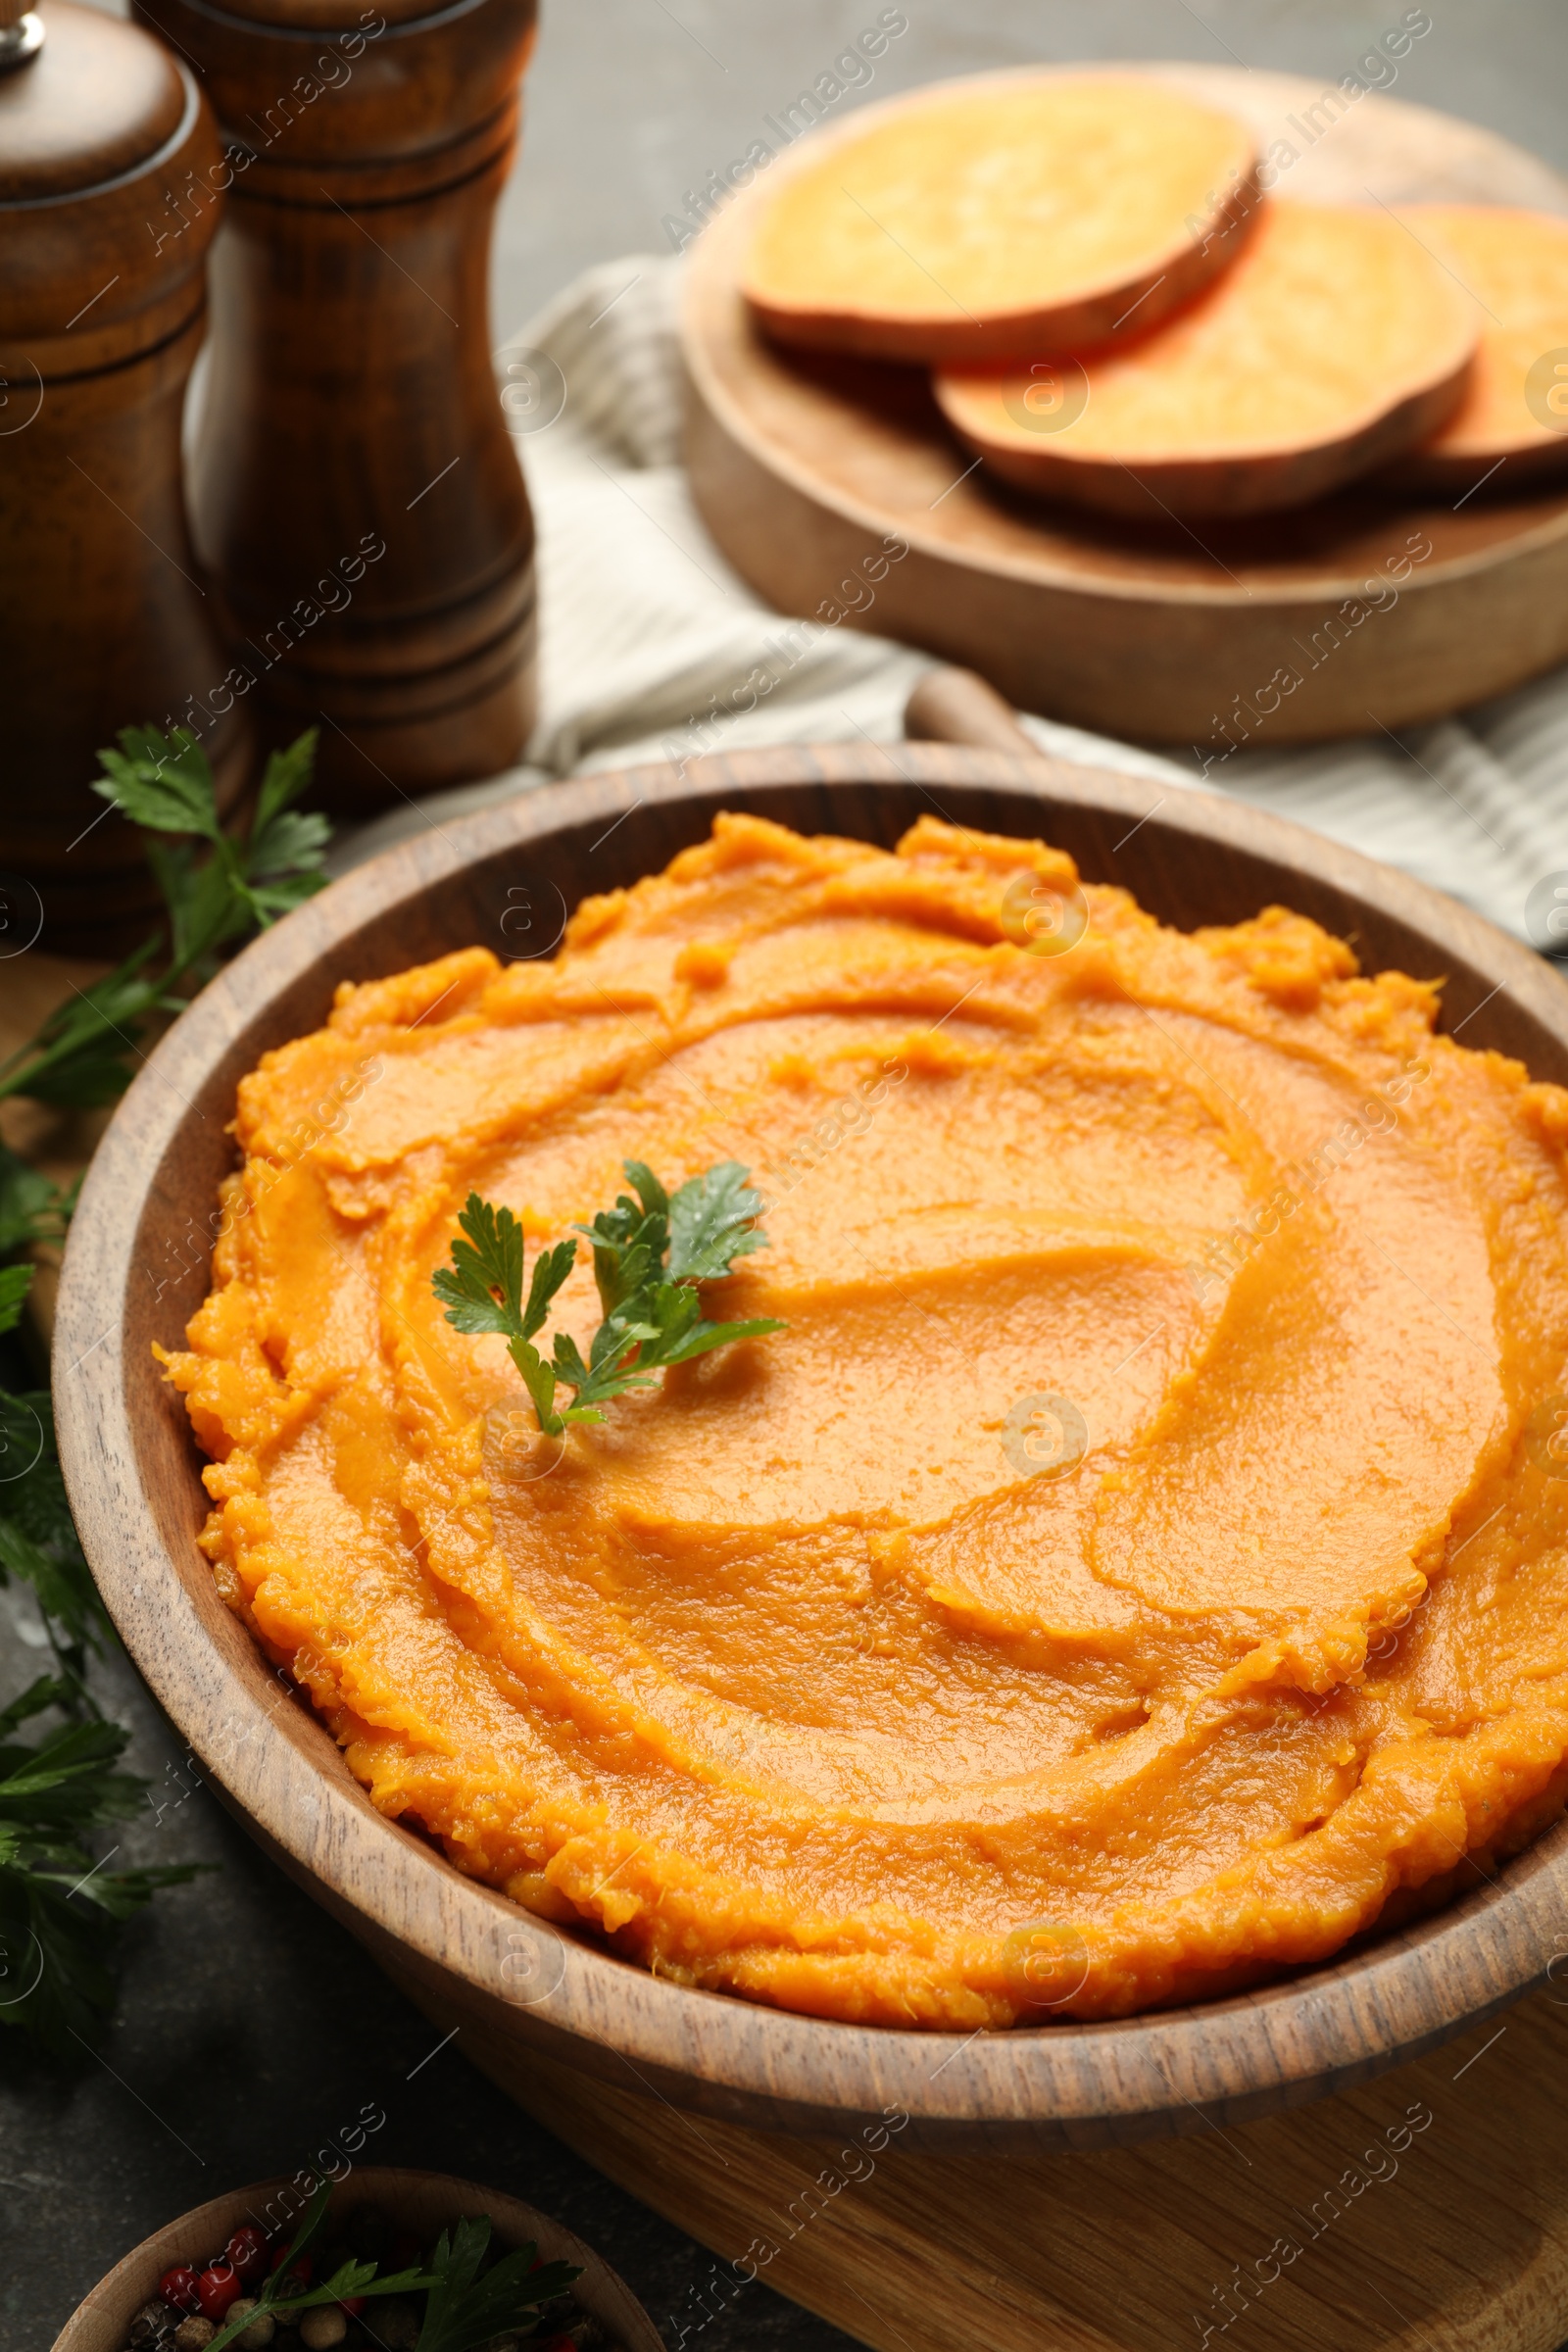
1511	427
1334	343
980	219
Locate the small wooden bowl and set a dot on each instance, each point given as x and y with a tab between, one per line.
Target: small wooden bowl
136	1269
425	2203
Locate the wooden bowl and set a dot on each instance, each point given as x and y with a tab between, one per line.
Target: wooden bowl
804	467
423	2202
136	1267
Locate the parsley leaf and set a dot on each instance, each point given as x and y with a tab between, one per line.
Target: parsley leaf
462	2309
283	837
482	1292
650	1252
31	1208
465	2308
15	1284
281	2291
58	1908
165	787
631	1239
37	1535
217	888
494	1262
712	1223
77	1059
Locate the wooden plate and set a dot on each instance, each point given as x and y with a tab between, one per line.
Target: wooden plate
423	2202
136	1267
1455	2239
802	468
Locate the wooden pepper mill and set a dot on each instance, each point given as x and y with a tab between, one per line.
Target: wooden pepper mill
355	493
104	620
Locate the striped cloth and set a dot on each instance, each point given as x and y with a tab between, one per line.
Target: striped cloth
648	639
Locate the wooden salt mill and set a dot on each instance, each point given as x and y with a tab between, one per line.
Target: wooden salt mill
104	620
355	492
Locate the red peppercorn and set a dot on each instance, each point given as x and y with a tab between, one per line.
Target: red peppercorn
217	2288
353	2304
555	2343
247	2251
177	2287
299	2271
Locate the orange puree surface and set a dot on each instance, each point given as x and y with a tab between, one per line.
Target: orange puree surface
840	1671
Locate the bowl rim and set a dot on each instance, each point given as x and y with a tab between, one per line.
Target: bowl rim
601	2289
1315	2031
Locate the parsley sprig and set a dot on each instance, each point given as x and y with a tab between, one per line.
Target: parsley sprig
31	1208
37	1536
468	2306
465	2308
650	1255
59	1911
217	888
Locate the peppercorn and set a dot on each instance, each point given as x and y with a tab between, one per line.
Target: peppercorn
321	2330
193	2334
178	2287
217	2287
397	2324
260	2332
153	2322
565	2324
246	2250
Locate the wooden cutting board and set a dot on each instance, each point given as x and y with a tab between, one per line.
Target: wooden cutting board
807	471
1425	2212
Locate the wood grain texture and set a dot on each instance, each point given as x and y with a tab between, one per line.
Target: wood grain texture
104	620
351	401
956	705
1454	2241
803	468
423	2202
138	1267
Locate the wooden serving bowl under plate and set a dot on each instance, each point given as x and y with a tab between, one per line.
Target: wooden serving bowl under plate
806	468
540	2006
425	2203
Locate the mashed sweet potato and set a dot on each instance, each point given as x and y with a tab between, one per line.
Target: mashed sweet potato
1141	1562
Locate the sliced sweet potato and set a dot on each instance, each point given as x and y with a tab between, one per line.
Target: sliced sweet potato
1334	343
982	218
1511	427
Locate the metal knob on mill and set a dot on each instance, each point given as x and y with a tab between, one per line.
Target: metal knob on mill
105	621
356	496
